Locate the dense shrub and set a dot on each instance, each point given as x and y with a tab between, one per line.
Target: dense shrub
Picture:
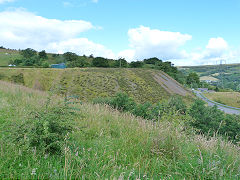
120	63
122	102
210	120
176	103
143	110
19	79
45	65
45	130
147	110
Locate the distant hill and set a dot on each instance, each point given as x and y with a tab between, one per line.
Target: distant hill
228	74
8	54
89	83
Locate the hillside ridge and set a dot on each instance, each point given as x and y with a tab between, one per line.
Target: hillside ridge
89	83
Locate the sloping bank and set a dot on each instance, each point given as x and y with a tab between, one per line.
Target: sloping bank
89	83
105	143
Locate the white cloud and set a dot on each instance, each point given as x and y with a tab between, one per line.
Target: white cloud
146	42
4	1
216	49
67	4
127	54
217	43
22	29
81	46
95	1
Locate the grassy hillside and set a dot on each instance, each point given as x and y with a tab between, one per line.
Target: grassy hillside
7	55
90	83
227	98
105	143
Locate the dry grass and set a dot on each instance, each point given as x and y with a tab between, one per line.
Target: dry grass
210	78
227	98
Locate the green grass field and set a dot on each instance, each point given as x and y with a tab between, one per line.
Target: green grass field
7	55
106	144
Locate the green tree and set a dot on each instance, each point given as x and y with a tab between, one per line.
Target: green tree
42	54
154	61
28	53
193	78
45	64
136	64
11	62
100	62
17	61
69	56
121	63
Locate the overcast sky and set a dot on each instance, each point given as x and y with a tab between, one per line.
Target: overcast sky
186	32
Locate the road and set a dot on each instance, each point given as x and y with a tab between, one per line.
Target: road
222	107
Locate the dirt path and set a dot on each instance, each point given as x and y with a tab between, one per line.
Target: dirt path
169	84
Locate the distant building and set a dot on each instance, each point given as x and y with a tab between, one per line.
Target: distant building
11	65
59	66
209	81
203	89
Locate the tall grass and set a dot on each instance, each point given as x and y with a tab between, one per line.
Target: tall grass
108	144
227	98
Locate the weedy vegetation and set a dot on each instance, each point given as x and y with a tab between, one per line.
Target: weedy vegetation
57	139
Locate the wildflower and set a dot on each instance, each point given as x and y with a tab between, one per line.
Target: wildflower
33	171
46	156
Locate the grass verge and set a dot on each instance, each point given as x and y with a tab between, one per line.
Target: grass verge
227	98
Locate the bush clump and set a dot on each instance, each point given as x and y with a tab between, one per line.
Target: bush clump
177	104
147	110
211	121
46	130
121	101
19	79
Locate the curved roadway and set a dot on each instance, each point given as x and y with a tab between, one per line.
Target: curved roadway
222	107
